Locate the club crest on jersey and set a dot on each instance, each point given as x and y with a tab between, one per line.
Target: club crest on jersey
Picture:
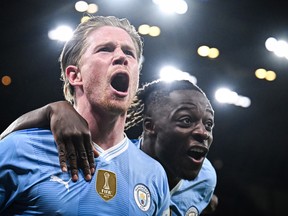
106	184
192	211
142	197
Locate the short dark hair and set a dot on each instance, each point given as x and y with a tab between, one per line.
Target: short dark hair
153	93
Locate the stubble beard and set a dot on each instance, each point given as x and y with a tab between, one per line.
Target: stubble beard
116	106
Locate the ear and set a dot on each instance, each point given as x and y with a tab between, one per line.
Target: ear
148	126
74	76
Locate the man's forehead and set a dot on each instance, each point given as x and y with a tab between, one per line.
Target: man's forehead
110	35
187	94
108	32
190	97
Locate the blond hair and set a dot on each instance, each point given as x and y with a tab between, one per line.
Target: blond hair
77	45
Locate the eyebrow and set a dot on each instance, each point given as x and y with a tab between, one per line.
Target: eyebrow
207	109
210	110
123	46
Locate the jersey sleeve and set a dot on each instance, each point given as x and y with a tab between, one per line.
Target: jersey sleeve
15	170
9	184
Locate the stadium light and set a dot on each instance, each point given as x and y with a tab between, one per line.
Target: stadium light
170	73
225	95
61	33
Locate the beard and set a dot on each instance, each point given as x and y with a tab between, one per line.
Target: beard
116	106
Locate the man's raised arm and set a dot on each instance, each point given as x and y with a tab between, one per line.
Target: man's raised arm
71	133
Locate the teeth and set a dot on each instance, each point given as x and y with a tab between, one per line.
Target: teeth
197	153
198	150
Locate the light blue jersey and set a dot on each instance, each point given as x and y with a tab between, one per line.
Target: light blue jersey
126	181
192	197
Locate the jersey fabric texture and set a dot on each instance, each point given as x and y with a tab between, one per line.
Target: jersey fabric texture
191	197
126	181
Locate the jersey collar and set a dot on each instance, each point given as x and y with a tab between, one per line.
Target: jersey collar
114	151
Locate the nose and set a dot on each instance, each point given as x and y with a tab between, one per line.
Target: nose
200	133
119	57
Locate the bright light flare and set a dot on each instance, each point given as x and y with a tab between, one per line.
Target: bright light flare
203	51
81	6
6	80
170	74
172	6
279	47
243	102
206	51
85	19
144	29
213	53
260	73
225	95
181	7
92	8
270	44
154	31
270	75
61	33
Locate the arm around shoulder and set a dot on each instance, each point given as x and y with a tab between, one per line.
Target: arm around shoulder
34	118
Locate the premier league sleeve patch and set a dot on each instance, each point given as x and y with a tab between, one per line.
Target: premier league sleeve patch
192	211
142	197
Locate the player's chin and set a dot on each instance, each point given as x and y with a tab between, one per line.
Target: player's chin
117	110
118	107
190	174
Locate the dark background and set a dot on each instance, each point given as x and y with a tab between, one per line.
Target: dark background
249	148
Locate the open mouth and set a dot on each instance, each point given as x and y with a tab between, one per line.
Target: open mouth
197	153
120	82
